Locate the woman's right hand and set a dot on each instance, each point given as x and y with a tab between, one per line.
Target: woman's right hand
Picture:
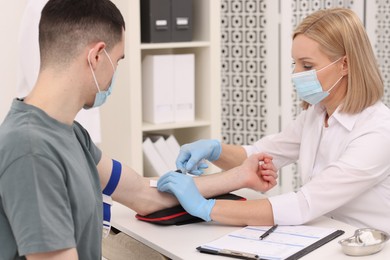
191	156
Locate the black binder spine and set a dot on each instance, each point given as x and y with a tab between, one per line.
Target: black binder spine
181	16
155	21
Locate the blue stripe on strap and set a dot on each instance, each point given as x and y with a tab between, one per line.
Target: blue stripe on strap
106	212
108	190
114	178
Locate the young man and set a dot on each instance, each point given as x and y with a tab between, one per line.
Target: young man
51	173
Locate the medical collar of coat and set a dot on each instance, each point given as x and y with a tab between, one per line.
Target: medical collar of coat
346	120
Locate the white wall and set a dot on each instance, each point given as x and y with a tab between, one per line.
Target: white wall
10	16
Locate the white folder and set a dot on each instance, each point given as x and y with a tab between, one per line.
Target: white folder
157	89
173	146
154	165
165	152
184	87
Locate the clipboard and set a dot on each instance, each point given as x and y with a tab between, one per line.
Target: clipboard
245	243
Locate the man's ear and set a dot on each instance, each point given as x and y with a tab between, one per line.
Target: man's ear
94	54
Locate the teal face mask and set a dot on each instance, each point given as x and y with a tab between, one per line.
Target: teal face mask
308	86
101	96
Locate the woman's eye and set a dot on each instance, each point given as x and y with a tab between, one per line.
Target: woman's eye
308	67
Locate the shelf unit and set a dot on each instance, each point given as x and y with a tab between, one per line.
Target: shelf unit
121	116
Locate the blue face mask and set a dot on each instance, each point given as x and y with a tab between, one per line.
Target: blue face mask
101	96
308	86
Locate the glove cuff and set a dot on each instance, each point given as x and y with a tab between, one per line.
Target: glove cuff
208	206
217	149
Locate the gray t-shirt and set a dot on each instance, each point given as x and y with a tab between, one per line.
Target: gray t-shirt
50	194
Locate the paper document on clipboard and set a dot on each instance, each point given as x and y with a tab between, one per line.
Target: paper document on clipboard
286	242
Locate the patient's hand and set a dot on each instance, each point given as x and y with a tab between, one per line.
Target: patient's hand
259	172
185	190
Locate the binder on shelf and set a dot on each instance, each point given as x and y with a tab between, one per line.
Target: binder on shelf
181	17
165	152
184	87
157	89
154	165
168	88
173	145
155	21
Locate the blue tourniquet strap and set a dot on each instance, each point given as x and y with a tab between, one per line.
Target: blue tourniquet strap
114	179
108	190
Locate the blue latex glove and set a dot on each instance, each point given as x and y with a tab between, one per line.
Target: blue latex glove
191	156
185	190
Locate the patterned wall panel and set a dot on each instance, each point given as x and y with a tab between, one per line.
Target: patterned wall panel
382	43
244	95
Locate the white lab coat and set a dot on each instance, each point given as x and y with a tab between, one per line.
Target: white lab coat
30	62
345	167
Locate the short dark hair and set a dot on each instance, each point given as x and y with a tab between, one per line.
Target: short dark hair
67	26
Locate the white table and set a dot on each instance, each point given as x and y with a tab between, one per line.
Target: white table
180	242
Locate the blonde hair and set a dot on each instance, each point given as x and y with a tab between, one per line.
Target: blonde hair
339	33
